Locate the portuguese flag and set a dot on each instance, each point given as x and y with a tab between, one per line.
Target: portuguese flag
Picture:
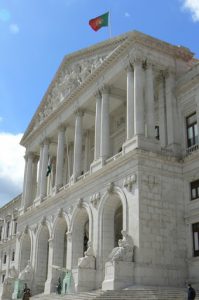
99	22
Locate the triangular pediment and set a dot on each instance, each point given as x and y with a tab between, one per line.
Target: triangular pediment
73	72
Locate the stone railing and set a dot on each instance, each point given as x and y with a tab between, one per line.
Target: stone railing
116	156
191	149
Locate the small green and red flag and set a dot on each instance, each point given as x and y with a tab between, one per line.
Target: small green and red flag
99	21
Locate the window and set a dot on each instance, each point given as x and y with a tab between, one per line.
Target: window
15	227
1	231
7	229
4	258
3	278
194	189
13	255
195	230
192	130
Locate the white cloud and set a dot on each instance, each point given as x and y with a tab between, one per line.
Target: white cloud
14	28
127	14
193	7
11	166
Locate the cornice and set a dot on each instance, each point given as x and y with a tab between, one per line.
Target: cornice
122	43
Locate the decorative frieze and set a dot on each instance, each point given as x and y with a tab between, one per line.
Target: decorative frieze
60	212
129	181
110	187
43	221
94	199
71	77
80	203
69	210
150	181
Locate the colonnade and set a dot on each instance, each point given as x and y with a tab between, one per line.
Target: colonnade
140	121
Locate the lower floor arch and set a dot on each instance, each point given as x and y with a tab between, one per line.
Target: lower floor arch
42	254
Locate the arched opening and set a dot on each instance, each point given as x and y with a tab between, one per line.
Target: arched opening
118	225
25	251
42	259
112	225
80	235
59	249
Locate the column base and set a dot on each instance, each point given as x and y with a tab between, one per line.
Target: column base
97	165
142	142
118	275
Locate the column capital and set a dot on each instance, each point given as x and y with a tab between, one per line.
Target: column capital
62	127
137	60
129	67
79	113
97	94
105	89
46	141
30	155
149	63
35	158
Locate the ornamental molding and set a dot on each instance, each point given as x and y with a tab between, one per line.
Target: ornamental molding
150	181
80	203
110	187
95	199
60	212
129	181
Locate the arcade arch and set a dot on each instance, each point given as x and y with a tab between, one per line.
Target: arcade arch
42	258
81	234
113	219
25	250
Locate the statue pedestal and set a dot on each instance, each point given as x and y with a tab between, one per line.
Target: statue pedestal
118	275
84	279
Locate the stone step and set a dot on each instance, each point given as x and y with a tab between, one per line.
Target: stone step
133	293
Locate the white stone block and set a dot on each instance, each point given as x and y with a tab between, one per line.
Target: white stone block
118	275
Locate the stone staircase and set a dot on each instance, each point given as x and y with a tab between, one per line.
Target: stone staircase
133	293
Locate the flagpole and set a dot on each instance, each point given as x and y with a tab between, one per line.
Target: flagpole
110	31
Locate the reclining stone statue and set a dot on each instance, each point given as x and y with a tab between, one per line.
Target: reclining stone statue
125	250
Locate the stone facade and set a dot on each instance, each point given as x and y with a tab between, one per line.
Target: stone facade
118	132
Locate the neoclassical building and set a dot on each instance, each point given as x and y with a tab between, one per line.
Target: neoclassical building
111	181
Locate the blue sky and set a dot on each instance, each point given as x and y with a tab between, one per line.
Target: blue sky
36	34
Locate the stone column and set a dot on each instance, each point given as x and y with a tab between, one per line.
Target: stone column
130	103
138	98
97	126
34	176
28	183
162	111
24	181
105	125
40	168
60	158
87	151
171	110
70	159
78	145
43	187
149	96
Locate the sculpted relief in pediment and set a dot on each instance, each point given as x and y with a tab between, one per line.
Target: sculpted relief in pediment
69	78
